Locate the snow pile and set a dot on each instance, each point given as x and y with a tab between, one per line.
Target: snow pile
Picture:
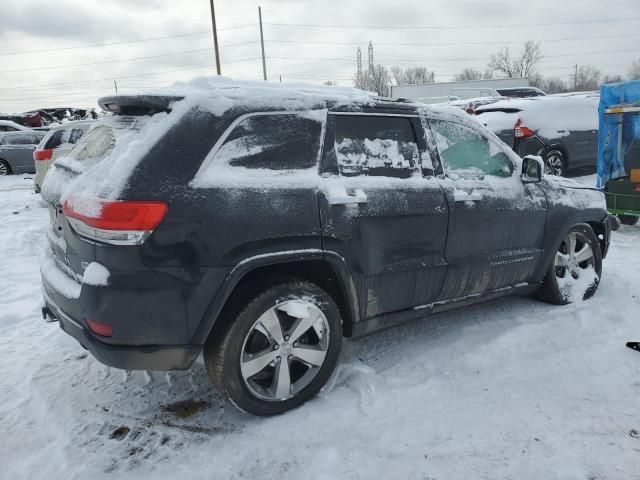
573	289
551	116
66	281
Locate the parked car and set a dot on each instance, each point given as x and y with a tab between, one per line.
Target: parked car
520	92
11	126
471	104
562	129
261	227
16	151
55	144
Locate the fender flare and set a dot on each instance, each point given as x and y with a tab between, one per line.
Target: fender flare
250	264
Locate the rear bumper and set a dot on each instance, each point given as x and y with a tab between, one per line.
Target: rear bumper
174	357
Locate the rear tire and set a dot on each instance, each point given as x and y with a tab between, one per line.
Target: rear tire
577	257
555	163
5	169
628	219
256	358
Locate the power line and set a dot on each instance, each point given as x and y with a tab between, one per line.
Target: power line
184	52
208	32
447	27
449	44
110	79
424	60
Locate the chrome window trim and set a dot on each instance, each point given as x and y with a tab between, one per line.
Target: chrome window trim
212	153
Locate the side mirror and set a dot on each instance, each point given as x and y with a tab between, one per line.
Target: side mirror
532	168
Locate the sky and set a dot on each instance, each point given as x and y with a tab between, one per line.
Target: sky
54	53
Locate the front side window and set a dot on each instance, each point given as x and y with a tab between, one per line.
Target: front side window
376	146
272	142
466	153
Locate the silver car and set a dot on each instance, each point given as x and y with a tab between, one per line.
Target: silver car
57	142
16	151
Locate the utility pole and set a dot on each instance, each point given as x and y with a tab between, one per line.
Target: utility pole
575	79
359	64
264	62
370	57
115	84
215	37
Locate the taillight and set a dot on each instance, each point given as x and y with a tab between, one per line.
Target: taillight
102	329
41	155
520	131
118	222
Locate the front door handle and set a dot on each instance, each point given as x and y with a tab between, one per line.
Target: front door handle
341	197
462	196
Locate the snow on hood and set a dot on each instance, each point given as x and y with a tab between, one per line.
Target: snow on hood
550	116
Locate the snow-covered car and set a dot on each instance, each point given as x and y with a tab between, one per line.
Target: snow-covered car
11	126
261	224
55	144
562	129
16	151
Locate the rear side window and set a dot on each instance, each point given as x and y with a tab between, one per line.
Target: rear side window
375	146
60	137
272	142
466	153
75	135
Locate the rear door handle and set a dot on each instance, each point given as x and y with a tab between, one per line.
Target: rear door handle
341	197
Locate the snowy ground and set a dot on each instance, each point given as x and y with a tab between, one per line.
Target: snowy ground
511	389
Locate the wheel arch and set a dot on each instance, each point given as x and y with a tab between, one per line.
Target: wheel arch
557	146
324	269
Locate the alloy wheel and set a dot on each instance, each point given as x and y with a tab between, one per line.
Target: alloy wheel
4	170
553	165
284	350
573	258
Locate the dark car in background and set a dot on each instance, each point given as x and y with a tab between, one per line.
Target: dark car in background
562	129
520	92
263	230
16	151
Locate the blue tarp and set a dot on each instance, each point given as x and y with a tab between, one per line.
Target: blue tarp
611	159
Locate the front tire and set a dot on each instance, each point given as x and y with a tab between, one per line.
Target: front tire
555	163
576	269
279	351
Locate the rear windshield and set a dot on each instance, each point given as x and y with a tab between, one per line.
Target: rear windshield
520	92
102	139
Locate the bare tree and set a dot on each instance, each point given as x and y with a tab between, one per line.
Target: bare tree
473	74
330	83
634	71
612	78
377	80
514	67
554	85
537	80
586	78
412	75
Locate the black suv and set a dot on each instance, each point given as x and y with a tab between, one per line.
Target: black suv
261	230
